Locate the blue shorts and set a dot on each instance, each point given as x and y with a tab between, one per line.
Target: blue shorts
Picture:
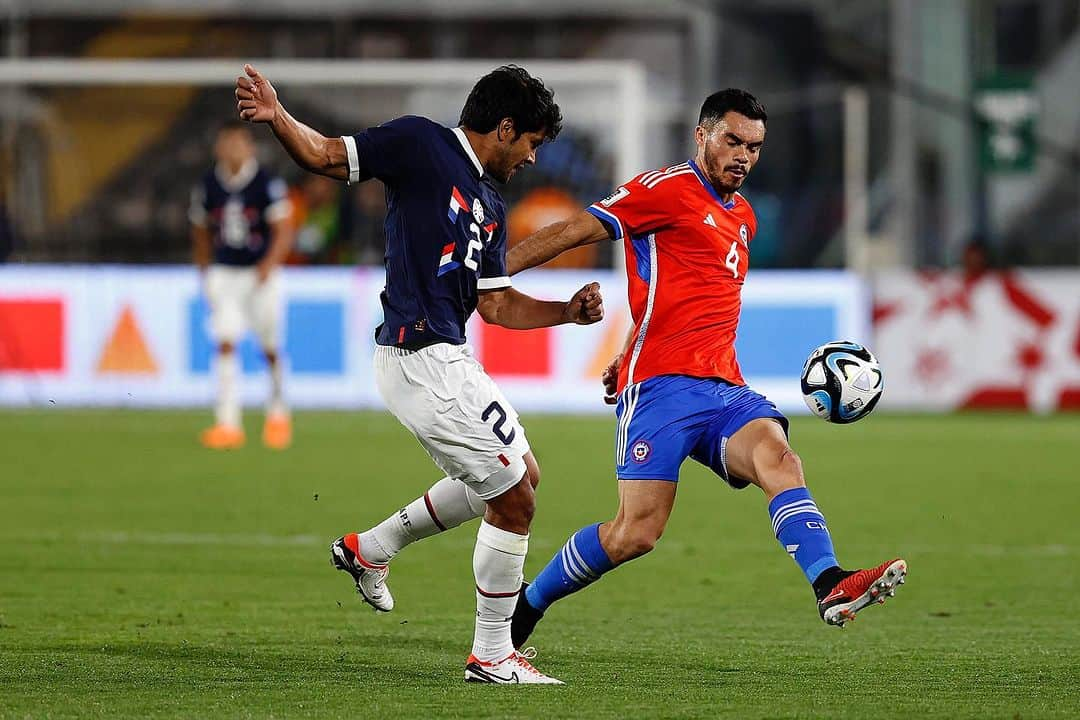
667	418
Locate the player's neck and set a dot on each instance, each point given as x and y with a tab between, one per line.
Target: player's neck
483	146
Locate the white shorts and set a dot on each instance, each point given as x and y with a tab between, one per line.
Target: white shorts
457	412
238	302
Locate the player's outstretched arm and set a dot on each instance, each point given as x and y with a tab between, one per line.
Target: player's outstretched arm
517	311
257	101
551	241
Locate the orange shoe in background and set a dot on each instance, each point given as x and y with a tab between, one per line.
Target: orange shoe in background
277	432
222	437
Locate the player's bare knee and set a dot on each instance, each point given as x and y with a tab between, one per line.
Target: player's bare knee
786	473
791	468
523	500
777	468
514	509
226	348
528	502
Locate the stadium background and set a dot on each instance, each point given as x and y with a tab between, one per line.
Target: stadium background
911	144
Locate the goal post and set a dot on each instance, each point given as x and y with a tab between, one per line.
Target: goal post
603	104
626	116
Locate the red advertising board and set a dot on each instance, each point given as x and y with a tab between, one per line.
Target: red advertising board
31	335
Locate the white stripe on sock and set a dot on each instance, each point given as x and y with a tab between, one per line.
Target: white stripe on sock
570	571
576	556
782	517
781	520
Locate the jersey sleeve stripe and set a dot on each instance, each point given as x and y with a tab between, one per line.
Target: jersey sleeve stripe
353	156
650	176
653	183
608	218
493	283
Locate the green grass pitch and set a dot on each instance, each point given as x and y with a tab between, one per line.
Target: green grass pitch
141	576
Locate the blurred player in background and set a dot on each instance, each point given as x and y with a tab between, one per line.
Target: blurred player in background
240	235
678	386
445	257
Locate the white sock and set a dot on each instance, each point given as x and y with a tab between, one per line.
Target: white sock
227	411
498	562
276	406
446	505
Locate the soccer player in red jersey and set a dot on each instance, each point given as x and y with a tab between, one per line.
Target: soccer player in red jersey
677	384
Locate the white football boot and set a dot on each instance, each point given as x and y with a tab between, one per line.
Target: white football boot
370	579
514	669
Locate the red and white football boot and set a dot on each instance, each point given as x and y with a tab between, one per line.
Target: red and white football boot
860	589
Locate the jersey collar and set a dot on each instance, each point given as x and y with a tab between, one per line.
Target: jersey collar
241	179
708	186
460	134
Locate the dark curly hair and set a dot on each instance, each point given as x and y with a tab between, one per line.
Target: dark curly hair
510	91
731	100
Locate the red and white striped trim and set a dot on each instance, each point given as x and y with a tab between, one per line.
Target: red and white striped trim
651	180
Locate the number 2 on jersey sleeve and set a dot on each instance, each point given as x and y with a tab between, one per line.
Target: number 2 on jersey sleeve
732	259
476	244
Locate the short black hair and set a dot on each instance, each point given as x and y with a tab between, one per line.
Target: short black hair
731	100
511	92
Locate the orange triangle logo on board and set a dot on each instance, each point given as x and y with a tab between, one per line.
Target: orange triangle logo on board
126	351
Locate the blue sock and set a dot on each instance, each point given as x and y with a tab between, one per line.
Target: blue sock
581	561
800	528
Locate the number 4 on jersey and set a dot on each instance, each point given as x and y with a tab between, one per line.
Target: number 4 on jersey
732	259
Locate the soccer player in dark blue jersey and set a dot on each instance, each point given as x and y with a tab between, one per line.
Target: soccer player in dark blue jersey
446	257
240	235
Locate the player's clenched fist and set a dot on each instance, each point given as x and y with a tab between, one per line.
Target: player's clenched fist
610	378
586	307
256	99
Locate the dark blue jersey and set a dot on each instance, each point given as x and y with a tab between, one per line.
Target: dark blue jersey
238	211
445	228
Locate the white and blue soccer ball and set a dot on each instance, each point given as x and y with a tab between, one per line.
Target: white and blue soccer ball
842	381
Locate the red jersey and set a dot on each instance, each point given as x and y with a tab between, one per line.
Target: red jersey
687	254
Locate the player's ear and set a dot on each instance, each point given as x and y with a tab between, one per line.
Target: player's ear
505	130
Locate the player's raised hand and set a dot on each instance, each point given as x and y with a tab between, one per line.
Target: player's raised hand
610	378
256	99
586	307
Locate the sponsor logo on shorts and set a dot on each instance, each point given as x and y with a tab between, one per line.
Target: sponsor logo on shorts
641	451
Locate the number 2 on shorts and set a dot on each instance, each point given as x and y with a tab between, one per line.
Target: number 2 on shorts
495	407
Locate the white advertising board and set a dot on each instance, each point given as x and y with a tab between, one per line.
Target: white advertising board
120	336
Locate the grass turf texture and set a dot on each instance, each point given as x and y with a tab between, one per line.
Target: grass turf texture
143	576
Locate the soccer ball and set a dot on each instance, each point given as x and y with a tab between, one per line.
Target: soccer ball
841	381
